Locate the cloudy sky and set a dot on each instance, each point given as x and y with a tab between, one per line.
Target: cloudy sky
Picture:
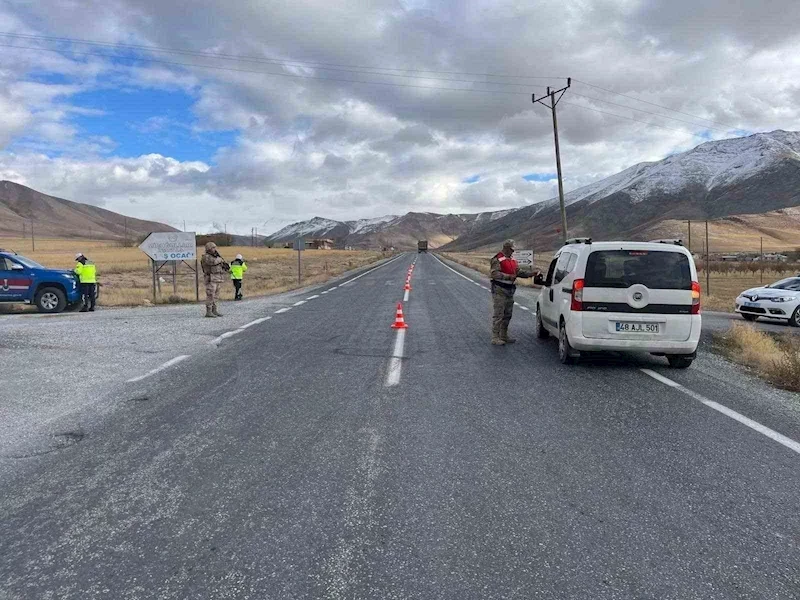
256	113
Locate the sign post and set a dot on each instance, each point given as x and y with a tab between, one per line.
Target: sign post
300	244
171	247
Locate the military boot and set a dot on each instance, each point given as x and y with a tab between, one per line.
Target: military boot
208	312
507	338
214	310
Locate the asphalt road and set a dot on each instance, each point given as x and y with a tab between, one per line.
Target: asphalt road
314	455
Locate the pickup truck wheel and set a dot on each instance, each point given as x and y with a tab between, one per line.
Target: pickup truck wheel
51	300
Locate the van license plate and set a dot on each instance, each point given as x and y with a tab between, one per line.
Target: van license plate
637	327
752	304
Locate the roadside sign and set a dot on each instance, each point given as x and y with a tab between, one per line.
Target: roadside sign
175	245
524	259
300	244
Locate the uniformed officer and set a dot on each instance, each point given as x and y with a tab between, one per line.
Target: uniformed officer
504	273
238	269
87	275
214	269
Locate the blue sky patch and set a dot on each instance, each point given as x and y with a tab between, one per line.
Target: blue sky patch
539	176
149	121
471	179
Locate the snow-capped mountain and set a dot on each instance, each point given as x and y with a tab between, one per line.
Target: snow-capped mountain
747	175
391	230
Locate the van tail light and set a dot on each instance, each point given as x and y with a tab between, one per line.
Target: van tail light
577	295
695	298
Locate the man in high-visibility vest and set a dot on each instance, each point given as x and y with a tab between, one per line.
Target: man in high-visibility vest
87	275
238	269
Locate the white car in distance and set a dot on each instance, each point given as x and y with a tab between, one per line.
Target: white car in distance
621	296
779	300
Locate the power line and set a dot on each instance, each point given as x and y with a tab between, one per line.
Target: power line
624	117
268	60
271	73
647	112
653	104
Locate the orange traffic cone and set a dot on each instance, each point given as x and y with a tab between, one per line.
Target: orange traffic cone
399	321
407	287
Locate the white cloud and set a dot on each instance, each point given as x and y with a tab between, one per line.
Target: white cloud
344	149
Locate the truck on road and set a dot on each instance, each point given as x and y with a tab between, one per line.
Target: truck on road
24	281
422	246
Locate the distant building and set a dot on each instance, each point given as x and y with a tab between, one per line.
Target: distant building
775	257
321	244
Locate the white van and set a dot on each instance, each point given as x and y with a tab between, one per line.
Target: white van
621	296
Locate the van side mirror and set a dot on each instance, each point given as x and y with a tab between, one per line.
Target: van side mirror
538	279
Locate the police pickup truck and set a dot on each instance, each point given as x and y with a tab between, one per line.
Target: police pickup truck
24	281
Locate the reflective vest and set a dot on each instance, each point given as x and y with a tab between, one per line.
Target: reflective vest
238	269
507	265
87	273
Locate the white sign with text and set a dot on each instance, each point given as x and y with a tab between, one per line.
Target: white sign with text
175	245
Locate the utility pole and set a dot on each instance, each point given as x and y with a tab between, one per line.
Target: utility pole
184	224
553	102
689	227
126	232
24	233
33	238
708	272
761	260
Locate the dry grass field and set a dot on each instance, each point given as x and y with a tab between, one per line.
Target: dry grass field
126	278
725	284
775	358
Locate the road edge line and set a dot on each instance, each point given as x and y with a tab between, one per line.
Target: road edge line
166	365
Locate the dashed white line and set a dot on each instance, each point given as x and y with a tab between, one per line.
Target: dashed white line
325	292
333	288
299	303
396	361
754	425
405	296
256	322
313	297
283	310
524	307
166	365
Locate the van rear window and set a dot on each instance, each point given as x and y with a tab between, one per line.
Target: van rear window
657	270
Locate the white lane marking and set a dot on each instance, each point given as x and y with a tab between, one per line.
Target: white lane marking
166	365
371	270
283	310
524	307
517	304
396	362
754	425
405	296
256	322
299	303
325	292
484	287
313	297
333	288
452	269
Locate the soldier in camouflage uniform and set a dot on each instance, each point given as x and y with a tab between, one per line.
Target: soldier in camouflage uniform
504	273
214	269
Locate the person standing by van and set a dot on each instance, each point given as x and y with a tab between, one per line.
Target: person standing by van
238	269
504	273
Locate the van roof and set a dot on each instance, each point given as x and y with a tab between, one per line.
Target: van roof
623	245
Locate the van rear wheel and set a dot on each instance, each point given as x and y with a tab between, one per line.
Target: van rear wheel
680	362
566	354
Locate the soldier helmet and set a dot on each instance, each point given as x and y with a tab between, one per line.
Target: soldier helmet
508	244
210	246
239	257
79	255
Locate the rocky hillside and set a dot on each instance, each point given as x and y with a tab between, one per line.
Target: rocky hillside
401	232
747	175
59	218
